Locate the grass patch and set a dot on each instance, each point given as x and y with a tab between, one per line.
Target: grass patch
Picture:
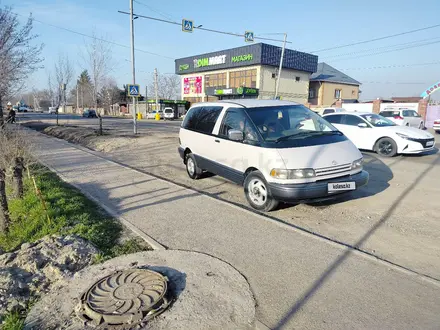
13	321
69	211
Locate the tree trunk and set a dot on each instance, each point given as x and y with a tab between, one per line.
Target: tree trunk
2	122
4	211
18	177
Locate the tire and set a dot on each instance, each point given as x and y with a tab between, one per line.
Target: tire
386	147
438	132
421	126
193	170
257	192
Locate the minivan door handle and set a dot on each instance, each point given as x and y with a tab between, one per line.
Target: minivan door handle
217	140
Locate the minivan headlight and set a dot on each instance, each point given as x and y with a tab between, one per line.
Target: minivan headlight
304	173
357	164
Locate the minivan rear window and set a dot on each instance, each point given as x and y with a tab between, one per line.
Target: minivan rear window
202	119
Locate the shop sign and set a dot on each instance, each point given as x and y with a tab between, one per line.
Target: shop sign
242	58
192	85
208	61
223	91
183	67
247	91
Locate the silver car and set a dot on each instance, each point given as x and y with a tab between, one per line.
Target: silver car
404	117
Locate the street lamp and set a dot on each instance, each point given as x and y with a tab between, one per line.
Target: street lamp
132	63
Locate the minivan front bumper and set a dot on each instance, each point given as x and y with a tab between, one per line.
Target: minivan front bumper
314	190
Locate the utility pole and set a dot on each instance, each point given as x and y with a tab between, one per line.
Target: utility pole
77	97
155	89
281	66
132	64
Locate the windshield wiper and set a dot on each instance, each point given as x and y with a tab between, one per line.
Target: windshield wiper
302	133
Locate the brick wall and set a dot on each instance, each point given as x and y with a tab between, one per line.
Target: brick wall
423	106
376	106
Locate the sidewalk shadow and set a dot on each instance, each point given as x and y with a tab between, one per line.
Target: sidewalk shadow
325	276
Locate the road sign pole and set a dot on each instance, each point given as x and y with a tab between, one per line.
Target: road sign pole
156	89
281	66
132	65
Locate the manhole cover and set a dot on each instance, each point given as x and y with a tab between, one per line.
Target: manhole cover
124	299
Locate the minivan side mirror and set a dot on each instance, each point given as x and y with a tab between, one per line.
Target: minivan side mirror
235	135
362	125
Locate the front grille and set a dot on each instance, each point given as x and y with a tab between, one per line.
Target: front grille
333	170
423	142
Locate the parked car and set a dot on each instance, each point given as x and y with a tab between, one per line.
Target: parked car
53	110
404	117
436	126
89	113
152	114
168	113
370	131
326	111
278	150
23	109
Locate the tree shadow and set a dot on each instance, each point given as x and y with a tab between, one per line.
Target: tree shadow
325	276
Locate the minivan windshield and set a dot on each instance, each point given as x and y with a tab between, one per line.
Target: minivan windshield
278	123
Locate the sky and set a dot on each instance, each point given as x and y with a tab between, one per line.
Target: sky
386	68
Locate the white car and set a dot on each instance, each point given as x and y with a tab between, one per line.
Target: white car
404	117
436	126
168	113
369	131
152	114
326	111
52	110
278	150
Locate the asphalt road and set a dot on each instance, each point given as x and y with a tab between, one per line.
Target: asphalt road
124	125
300	280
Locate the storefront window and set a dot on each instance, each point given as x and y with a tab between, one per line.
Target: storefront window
216	80
245	78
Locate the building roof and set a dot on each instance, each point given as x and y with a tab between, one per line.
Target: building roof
406	99
327	73
255	54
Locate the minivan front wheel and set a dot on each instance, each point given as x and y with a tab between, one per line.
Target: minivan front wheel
194	172
257	192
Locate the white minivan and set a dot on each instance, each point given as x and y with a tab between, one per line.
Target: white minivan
278	150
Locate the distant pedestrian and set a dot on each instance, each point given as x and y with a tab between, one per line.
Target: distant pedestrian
11	114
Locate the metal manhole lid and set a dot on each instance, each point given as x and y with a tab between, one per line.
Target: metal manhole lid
124	298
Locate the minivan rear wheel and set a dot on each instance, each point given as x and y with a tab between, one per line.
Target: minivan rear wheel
193	170
258	193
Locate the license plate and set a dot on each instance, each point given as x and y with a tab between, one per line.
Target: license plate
429	143
341	186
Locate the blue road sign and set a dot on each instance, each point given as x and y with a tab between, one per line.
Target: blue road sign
133	90
187	25
249	36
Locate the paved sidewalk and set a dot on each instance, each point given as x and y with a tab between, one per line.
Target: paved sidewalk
300	281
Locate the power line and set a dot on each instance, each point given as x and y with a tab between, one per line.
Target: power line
384	47
202	28
154	10
393	66
93	37
376	39
387	51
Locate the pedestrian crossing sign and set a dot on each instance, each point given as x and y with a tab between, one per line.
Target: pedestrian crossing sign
133	90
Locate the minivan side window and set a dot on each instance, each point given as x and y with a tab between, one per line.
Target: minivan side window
407	113
235	120
326	111
202	119
334	119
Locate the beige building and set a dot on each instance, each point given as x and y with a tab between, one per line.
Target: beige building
328	85
246	72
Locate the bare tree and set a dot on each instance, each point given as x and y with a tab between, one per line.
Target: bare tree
110	94
18	56
168	86
63	74
98	59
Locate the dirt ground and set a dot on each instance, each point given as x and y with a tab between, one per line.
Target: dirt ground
395	217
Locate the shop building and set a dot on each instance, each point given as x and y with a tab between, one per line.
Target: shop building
246	72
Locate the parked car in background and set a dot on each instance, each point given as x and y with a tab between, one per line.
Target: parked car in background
404	117
168	113
326	111
23	109
436	126
278	151
52	110
152	114
89	113
369	131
